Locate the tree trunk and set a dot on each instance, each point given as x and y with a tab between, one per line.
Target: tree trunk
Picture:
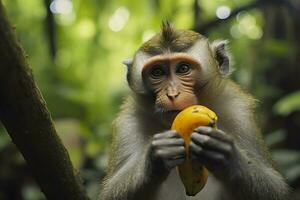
24	114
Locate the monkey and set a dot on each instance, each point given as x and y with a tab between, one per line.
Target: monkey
169	72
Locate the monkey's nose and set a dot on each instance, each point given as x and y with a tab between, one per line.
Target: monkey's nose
172	96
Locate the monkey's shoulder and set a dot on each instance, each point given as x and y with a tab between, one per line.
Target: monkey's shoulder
237	97
234	107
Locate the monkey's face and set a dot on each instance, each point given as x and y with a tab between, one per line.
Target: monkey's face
174	67
171	78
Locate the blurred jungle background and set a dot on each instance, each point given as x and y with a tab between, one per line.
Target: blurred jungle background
75	49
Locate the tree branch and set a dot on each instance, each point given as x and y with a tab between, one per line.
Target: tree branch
197	13
24	114
215	22
50	29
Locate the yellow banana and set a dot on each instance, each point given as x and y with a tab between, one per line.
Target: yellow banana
192	173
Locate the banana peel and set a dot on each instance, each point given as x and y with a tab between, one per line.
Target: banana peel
192	173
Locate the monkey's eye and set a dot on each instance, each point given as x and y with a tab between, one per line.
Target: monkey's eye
157	72
183	68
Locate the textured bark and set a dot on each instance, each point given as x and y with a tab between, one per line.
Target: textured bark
24	114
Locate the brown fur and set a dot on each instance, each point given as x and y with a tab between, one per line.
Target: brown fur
170	39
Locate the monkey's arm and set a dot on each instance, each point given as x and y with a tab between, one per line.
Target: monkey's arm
128	169
246	173
124	181
139	165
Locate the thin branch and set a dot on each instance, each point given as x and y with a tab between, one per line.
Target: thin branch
24	114
205	27
50	29
197	13
215	22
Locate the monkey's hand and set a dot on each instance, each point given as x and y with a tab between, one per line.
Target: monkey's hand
213	148
167	150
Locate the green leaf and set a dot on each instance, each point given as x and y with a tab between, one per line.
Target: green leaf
275	137
288	104
286	158
293	173
279	48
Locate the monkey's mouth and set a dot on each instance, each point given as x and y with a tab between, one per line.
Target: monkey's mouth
166	112
167	116
172	114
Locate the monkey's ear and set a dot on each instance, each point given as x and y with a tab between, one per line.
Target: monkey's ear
127	62
221	55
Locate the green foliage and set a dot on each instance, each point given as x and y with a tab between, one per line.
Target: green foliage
279	48
289	161
275	137
288	104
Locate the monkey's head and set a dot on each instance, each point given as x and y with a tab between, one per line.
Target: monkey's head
174	66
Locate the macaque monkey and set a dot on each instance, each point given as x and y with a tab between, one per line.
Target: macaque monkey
173	70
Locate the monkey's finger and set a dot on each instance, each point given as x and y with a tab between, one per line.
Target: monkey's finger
207	157
211	165
173	163
167	142
209	143
170	152
167	134
215	133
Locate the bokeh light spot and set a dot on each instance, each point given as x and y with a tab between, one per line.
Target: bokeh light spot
235	32
247	26
223	12
255	33
119	19
61	6
86	29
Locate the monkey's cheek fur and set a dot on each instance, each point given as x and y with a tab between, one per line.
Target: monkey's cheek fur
192	173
